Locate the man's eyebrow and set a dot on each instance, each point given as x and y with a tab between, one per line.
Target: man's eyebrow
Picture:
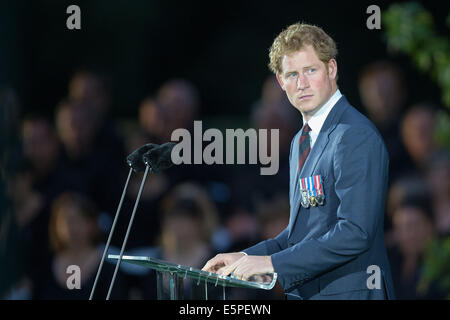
286	73
310	66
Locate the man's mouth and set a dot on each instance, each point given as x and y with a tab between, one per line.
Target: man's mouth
305	97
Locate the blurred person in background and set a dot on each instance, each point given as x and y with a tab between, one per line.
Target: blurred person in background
413	231
87	168
91	87
151	122
417	130
240	223
438	179
76	129
40	147
175	105
35	187
189	219
383	92
179	104
188	222
403	187
88	86
75	237
273	215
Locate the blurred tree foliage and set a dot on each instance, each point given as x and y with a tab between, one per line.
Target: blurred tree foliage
436	269
410	29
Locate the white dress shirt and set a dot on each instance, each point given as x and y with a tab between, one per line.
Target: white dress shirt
317	120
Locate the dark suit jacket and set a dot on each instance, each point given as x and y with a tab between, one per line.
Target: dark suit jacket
325	251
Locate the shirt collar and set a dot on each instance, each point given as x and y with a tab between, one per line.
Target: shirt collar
317	120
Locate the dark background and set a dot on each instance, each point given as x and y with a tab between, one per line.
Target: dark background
222	47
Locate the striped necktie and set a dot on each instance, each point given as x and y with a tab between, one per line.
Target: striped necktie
305	146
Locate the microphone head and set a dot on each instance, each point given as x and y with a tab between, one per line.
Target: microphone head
159	158
134	159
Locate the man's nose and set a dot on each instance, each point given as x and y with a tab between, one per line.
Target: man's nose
302	82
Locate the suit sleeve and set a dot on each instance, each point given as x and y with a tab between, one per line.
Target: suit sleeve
270	246
360	169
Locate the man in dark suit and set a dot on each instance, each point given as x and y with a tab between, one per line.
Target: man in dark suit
333	247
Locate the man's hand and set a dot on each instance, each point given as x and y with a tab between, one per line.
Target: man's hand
221	260
248	266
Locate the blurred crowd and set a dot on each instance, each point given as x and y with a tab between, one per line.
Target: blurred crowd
62	179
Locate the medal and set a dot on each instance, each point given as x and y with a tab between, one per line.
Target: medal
305	199
319	188
313	201
319	200
311	189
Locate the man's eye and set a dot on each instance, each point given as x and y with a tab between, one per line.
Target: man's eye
311	70
293	74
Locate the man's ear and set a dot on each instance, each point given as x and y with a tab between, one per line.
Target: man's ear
280	81
332	69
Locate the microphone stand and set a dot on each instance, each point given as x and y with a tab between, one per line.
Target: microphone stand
128	231
110	234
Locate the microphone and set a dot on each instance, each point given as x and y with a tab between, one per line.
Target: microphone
134	159
159	158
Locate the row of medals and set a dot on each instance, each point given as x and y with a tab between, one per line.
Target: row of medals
311	200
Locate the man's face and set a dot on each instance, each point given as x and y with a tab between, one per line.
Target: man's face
308	82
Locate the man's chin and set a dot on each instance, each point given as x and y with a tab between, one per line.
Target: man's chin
307	110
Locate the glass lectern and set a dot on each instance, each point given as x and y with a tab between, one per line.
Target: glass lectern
172	276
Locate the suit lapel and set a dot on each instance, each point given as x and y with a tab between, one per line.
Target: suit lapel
315	154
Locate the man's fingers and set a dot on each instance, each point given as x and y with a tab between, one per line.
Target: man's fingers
222	261
208	265
225	271
213	264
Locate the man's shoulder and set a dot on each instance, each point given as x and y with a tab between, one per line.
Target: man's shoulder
353	123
